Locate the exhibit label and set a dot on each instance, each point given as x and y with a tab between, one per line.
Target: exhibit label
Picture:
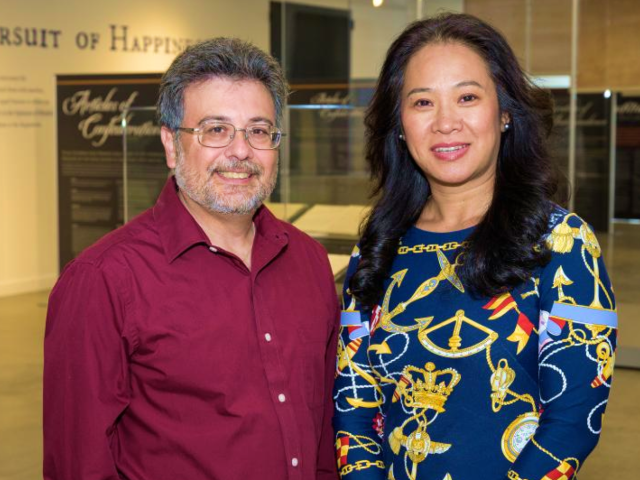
91	173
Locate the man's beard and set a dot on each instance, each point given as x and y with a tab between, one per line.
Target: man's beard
228	199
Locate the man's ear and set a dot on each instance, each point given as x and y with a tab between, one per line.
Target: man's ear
167	137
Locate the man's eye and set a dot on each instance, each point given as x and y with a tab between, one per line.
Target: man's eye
260	131
216	129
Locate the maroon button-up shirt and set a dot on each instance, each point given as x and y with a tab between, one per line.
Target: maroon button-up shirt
166	358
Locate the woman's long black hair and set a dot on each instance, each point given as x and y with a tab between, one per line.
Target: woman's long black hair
506	246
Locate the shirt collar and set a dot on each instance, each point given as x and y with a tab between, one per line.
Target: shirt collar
179	231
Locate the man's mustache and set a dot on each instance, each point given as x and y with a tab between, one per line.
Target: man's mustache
235	166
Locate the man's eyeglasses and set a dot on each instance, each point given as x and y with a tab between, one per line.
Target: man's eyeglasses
218	135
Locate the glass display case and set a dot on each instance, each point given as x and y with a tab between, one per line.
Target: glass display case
144	167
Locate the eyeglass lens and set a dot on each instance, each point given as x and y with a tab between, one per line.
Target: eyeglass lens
221	135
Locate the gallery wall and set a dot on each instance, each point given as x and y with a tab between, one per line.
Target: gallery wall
79	37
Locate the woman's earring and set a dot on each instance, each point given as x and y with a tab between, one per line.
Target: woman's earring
401	136
507	126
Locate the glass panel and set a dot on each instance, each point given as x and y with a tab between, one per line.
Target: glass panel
591	188
627	189
145	169
332	52
328	182
559	142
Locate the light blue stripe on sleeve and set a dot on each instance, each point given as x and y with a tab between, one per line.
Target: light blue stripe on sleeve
586	315
350	319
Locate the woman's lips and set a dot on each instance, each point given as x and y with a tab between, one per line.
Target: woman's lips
450	151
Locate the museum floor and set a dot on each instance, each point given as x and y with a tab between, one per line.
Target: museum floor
22	328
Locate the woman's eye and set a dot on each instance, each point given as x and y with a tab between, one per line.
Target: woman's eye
422	103
468	98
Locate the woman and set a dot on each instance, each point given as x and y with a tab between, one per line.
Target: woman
479	324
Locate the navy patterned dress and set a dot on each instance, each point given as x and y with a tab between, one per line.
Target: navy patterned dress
433	384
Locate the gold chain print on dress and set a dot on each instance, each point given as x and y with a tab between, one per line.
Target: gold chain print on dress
432	247
421	395
561	240
539	354
599	333
522	428
347	441
511	475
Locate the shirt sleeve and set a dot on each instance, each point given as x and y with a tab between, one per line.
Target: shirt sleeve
86	378
357	394
326	469
577	343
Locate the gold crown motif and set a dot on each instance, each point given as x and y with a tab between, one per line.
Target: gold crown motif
429	393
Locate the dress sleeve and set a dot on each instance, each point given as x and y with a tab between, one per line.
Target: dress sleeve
357	394
86	377
577	343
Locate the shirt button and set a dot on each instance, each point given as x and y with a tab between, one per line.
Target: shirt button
267	337
282	398
213	249
294	462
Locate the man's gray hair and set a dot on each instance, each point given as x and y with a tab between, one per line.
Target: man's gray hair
219	57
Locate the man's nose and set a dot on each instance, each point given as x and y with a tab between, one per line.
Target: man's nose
239	146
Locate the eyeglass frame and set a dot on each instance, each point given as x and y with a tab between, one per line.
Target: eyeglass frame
199	131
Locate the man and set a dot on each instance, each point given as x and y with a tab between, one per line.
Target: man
198	341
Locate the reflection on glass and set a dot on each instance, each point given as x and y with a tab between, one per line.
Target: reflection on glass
627	174
145	169
591	188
